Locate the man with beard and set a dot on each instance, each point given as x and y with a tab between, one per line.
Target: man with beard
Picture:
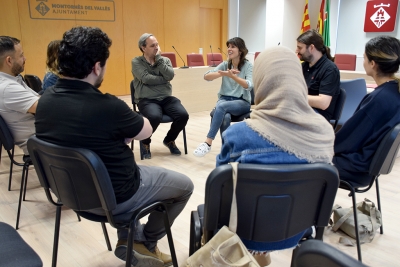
320	73
75	113
17	101
152	80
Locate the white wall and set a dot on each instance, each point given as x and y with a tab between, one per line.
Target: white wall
277	21
351	37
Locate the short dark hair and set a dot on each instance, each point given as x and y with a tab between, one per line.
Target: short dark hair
240	44
80	49
312	37
7	44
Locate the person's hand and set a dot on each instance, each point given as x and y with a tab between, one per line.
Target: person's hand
229	73
159	51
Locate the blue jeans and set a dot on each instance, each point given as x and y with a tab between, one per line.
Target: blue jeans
225	107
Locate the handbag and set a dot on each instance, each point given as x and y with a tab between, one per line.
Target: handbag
225	248
369	220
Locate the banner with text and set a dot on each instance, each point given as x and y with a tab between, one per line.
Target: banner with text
91	10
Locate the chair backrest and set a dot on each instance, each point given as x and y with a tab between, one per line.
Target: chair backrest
14	251
194	60
355	92
337	113
171	56
345	61
214	59
77	176
256	55
274	201
385	155
132	87
317	253
6	137
33	82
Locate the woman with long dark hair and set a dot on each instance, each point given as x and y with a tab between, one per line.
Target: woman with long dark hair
234	95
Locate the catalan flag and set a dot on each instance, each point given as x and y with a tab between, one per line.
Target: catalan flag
325	33
305	25
321	18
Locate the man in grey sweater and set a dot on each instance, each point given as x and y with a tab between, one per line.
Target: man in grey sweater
152	75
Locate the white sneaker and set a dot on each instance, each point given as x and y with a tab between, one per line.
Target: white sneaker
202	150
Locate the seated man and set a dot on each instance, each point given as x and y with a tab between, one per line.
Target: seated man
75	113
153	89
17	102
321	74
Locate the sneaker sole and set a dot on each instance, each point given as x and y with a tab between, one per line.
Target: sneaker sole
138	260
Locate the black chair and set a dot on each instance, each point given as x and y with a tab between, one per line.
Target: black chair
7	141
33	82
337	113
80	181
319	254
165	119
14	251
382	163
356	90
273	201
240	117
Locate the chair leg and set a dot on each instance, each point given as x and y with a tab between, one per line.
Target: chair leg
184	139
56	236
11	169
378	196
195	233
130	260
167	227
132	145
79	217
319	233
103	225
353	197
141	149
26	180
20	197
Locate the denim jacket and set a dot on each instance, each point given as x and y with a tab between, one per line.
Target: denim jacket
242	144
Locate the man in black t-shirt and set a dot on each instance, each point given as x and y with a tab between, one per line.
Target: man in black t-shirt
75	113
320	73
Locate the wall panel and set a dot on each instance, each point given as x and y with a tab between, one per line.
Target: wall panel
210	31
10	25
182	23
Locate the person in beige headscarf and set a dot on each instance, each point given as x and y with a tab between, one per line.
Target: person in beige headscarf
283	128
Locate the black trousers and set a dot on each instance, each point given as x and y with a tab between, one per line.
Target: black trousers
153	110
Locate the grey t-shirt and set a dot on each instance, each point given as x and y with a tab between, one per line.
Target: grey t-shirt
16	98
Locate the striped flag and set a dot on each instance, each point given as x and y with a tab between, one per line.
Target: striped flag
325	32
320	24
305	25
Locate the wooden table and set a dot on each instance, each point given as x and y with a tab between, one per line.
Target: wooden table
195	93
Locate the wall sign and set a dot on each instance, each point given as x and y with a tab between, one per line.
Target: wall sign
380	16
93	10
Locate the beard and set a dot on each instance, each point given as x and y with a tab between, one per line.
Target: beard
98	82
305	57
17	69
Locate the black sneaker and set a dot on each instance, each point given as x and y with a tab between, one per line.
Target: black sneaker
172	147
145	151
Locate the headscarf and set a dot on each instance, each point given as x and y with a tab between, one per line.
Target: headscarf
282	113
